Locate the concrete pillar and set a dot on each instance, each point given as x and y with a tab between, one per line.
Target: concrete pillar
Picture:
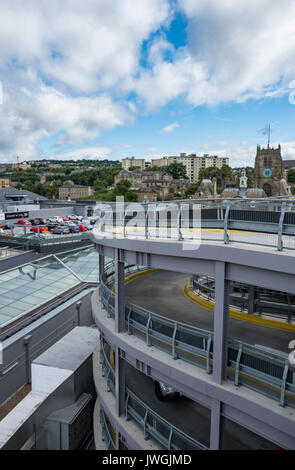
120	384
215	429
119	293
251	299
101	265
221	319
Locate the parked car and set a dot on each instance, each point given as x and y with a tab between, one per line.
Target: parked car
55	219
6	225
23	222
165	392
88	225
35	236
65	219
42	229
60	230
73	228
82	228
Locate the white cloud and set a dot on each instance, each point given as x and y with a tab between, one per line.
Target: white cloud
70	67
27	116
169	129
63	66
237	50
90	153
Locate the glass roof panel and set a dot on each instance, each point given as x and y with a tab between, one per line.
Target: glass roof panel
24	288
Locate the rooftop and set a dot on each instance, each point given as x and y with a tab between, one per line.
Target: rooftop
24	288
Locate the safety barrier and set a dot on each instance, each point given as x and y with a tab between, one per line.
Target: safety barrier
165	433
175	220
106	435
261	304
253	366
107	370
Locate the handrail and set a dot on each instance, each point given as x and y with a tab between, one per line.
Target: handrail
276	216
262	305
107	369
168	435
106	435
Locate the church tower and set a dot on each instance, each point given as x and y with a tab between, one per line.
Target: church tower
268	170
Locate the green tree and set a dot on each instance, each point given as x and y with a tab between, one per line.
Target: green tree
192	190
291	176
212	171
177	170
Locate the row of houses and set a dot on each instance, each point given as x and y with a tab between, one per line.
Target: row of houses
153	185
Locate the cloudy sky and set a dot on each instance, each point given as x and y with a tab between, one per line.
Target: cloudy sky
115	78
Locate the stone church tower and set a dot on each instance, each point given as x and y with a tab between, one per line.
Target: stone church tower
268	171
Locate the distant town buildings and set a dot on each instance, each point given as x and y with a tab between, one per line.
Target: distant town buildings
152	185
74	191
21	166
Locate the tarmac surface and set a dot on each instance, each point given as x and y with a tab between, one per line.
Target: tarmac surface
161	292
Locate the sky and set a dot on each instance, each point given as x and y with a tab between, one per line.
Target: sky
118	78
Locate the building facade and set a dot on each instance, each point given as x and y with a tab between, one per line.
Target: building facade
74	191
192	163
5	181
132	162
150	184
269	173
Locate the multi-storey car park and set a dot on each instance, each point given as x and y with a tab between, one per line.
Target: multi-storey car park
214	323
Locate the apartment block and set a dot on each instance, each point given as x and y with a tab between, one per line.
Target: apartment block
132	162
192	163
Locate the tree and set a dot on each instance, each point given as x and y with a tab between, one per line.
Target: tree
192	190
212	171
123	189
291	176
177	170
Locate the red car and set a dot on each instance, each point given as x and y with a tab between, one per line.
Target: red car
65	219
23	222
42	229
83	228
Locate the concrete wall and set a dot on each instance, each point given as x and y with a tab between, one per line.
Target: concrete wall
45	331
27	422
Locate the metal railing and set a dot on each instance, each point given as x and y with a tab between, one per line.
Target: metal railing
262	303
175	220
106	435
107	370
169	436
253	366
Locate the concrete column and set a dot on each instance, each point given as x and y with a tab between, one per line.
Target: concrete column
119	294
100	265
251	299
215	430
120	384
221	318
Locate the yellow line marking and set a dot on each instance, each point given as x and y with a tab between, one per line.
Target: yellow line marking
143	273
203	230
193	297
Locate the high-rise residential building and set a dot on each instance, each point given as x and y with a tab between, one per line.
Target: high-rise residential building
132	162
192	163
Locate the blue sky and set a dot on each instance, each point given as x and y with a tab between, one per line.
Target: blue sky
109	80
